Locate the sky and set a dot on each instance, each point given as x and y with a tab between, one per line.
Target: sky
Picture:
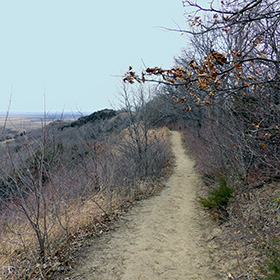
73	51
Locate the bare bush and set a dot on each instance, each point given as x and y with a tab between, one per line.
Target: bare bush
65	185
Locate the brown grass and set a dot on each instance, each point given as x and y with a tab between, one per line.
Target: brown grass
79	218
83	218
22	122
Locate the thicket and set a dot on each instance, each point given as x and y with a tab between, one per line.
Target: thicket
66	185
226	87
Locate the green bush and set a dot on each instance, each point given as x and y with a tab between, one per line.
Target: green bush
271	267
217	200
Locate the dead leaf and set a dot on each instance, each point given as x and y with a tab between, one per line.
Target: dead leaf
263	55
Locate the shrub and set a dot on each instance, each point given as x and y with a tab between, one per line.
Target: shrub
271	267
218	199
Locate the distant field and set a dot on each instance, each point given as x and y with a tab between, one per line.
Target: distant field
29	121
22	122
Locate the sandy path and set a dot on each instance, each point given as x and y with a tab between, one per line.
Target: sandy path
162	237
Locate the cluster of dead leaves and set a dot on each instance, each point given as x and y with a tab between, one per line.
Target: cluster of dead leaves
202	76
170	75
207	75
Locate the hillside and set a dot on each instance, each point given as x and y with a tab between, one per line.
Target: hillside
67	184
63	183
105	114
82	176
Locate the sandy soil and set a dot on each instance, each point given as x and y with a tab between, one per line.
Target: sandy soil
164	237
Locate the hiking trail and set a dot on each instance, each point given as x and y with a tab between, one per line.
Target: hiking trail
163	237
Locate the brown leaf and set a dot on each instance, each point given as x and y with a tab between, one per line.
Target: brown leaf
183	99
204	84
238	66
190	73
255	125
143	78
263	55
202	75
181	68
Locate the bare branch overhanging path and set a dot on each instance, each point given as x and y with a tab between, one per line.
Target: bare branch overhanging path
162	238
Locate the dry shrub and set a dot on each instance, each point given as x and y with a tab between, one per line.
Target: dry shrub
81	197
250	237
251	230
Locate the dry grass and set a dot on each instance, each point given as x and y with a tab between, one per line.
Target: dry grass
161	133
79	218
23	122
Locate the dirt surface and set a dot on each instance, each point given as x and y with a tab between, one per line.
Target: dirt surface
164	237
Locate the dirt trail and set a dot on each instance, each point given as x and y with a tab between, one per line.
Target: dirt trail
161	238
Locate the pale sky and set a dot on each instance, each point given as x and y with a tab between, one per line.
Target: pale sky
71	49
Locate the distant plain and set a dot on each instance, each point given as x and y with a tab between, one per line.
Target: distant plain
28	121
